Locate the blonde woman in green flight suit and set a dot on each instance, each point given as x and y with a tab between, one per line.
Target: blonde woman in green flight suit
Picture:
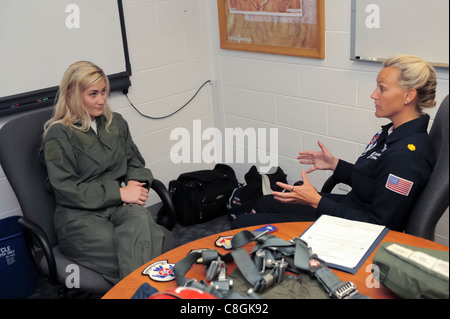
99	179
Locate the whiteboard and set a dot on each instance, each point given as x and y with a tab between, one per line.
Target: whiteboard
383	28
40	39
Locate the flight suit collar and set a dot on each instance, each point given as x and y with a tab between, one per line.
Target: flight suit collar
99	119
105	136
415	126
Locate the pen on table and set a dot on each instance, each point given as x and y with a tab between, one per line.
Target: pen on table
259	235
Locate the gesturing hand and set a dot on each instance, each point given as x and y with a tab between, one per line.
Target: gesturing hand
305	194
320	160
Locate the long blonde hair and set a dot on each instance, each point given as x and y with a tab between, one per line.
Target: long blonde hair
69	109
416	73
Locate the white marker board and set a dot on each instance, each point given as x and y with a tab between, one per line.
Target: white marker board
382	28
40	39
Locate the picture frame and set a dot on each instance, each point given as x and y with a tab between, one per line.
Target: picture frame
286	27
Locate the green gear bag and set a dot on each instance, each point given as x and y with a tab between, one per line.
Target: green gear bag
413	272
292	287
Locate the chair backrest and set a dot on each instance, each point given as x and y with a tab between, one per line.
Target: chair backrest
434	199
20	141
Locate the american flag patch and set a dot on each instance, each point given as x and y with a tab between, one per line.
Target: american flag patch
399	185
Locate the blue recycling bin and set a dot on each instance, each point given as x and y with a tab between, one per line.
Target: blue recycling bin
17	273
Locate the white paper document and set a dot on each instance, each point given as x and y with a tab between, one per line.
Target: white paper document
341	241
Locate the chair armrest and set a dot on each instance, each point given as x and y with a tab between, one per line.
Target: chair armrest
168	208
329	185
32	232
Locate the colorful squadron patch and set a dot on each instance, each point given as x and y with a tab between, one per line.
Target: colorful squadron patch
372	144
224	242
314	263
160	271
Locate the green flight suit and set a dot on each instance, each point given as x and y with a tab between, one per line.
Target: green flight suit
85	172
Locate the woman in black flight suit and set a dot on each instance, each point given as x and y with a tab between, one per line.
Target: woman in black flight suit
391	172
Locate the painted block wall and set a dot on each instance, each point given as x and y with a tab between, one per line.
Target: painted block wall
170	55
307	99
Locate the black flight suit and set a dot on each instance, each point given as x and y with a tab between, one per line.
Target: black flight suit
387	177
385	181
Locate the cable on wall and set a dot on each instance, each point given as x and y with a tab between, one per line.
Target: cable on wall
169	115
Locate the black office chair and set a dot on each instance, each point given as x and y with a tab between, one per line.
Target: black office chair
20	140
433	201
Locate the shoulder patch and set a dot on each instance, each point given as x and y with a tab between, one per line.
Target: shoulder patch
52	150
399	185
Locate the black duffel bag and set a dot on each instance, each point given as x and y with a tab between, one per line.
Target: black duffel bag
200	196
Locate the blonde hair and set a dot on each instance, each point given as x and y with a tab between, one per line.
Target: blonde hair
69	109
415	73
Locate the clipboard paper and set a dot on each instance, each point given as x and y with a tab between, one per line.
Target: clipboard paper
344	244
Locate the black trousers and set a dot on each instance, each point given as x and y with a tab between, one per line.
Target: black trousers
269	211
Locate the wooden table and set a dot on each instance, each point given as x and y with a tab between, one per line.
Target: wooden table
126	288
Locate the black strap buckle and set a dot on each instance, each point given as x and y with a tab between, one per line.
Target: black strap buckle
346	290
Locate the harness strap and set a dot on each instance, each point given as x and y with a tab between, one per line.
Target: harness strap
248	270
302	254
267	245
263	238
334	286
183	266
303	258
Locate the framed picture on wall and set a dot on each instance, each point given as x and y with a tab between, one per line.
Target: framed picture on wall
287	27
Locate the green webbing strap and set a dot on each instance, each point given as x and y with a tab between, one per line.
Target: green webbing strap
246	236
259	280
334	286
328	279
263	239
183	266
301	256
304	260
248	269
275	248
